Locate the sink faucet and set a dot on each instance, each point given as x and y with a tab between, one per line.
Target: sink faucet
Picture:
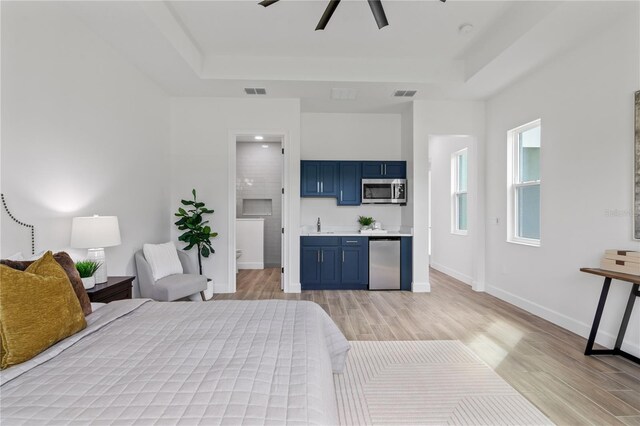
319	226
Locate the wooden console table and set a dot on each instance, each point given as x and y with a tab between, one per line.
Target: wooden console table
608	277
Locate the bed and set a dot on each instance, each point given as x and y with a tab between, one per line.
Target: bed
221	362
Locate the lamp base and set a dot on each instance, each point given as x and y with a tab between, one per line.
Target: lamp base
97	255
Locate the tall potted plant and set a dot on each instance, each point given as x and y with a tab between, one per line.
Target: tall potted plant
197	233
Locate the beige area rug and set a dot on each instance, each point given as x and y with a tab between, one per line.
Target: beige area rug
426	383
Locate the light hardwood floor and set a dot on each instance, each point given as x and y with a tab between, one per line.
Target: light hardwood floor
542	361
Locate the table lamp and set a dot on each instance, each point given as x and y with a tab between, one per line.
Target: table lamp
95	233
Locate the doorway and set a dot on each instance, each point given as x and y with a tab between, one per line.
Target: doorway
453	205
259	213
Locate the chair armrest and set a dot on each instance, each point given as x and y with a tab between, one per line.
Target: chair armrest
145	276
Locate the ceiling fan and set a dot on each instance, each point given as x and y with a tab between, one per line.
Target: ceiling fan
376	8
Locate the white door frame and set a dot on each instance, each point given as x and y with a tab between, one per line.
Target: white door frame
231	225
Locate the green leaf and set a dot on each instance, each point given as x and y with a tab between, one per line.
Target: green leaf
213	234
186	202
193	191
205	251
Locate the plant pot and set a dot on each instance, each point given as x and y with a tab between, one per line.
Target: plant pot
89	282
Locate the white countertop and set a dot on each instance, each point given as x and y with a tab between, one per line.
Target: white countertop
354	234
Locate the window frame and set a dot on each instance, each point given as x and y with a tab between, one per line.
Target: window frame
514	184
456	192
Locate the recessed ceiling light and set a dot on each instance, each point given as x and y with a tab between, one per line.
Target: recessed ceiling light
465	29
265	146
258	138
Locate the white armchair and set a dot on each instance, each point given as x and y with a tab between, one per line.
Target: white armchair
173	287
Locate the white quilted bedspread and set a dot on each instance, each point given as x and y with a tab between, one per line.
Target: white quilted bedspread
224	362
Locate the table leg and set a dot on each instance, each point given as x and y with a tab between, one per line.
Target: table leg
627	315
596	319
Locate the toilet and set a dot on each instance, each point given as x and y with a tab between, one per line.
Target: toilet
238	254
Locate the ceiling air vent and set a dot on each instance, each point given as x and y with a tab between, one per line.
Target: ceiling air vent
255	90
405	93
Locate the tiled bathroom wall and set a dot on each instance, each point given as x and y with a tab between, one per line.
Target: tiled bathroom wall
259	192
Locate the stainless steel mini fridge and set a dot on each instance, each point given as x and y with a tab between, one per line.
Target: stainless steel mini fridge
384	263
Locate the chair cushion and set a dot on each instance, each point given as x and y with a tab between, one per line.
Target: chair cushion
163	259
178	286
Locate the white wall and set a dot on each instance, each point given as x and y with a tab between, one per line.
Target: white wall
434	118
83	132
203	157
349	137
406	153
450	253
585	102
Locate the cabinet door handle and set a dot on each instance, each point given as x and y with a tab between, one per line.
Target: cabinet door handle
318	186
318	256
381	169
385	169
322	186
322	257
342	256
341	195
352	242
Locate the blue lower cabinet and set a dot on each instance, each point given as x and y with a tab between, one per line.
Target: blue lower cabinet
334	263
330	267
310	265
355	268
406	263
342	263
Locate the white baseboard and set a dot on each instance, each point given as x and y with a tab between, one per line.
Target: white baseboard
478	286
250	265
294	288
578	327
452	273
421	287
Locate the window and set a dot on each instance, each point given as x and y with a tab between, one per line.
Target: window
459	186
524	182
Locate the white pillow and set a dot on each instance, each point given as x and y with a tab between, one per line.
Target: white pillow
163	259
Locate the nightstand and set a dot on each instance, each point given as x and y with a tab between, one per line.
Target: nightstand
116	288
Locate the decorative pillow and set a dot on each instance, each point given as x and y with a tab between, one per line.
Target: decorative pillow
69	267
163	259
37	309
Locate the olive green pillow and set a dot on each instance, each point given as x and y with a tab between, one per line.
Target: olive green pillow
38	308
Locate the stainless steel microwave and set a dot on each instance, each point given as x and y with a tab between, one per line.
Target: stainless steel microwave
384	191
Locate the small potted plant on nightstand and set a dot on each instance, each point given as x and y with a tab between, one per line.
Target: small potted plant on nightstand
86	269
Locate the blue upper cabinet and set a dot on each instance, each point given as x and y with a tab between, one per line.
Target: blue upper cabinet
350	183
384	170
319	179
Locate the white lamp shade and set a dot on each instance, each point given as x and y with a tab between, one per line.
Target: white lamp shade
95	231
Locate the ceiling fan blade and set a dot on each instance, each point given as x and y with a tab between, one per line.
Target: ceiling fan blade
266	3
326	16
378	13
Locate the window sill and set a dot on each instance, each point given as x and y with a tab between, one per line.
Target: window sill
461	233
524	242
